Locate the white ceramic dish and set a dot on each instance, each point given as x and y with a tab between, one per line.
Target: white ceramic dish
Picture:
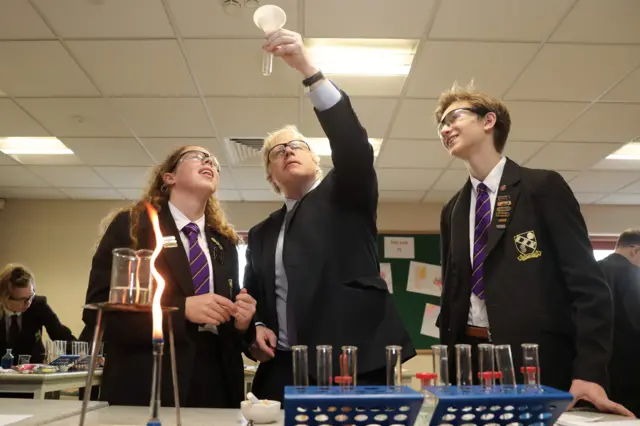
265	412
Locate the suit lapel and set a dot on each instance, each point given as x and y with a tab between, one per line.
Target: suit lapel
272	231
460	235
507	197
176	257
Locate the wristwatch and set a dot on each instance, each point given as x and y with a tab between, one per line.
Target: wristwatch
307	82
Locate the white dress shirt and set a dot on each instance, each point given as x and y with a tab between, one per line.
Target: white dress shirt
478	311
8	318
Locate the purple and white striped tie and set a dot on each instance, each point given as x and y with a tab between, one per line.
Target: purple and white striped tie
480	238
200	273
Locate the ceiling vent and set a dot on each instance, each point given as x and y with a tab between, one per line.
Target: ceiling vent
243	149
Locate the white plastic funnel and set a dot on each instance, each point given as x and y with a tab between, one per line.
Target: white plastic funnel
269	18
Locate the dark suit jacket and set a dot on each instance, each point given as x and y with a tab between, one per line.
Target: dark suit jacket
330	256
624	279
38	315
127	375
554	295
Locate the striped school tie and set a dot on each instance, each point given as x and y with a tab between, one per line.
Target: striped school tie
480	238
200	273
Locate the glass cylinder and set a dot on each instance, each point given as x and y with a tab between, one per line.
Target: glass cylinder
349	366
441	364
394	365
267	63
324	361
530	365
300	365
463	365
486	365
131	281
505	366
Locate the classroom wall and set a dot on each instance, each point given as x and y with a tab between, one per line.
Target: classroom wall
56	240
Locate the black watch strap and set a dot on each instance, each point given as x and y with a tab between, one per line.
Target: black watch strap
307	82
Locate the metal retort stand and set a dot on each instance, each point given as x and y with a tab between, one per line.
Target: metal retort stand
97	341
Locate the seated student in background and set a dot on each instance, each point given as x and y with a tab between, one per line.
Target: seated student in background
213	324
622	271
23	314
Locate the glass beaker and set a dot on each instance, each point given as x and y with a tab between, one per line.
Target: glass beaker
131	281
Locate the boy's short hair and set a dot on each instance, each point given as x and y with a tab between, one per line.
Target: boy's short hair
630	237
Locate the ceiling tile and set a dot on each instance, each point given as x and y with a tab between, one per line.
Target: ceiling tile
451	180
367	19
69	176
161	148
471	20
413	153
109	151
245	117
588	198
260	195
401	196
6	160
22	68
18	20
605	123
527	116
492	67
240	73
406	179
206	19
76	117
136	67
617	165
634	188
228	195
107	19
596	21
628	90
629	199
374	114
165	117
227	179
602	182
92	193
574	72
125	177
18	176
439	197
15	122
250	178
132	194
48	160
366	85
415	120
571	155
32	193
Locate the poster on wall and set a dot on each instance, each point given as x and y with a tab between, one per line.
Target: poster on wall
385	273
399	248
424	278
429	328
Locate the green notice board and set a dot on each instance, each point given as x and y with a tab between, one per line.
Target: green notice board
411	305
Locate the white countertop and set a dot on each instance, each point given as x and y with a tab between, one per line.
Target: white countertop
44	411
48	377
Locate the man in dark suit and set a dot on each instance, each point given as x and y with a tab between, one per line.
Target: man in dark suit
24	314
517	263
313	265
622	271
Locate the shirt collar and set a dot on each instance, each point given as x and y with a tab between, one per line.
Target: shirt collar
492	181
9	313
291	203
182	220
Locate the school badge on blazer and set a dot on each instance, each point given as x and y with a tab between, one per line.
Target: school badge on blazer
527	246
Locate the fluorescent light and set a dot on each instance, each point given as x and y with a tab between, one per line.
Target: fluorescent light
33	146
363	57
630	151
321	146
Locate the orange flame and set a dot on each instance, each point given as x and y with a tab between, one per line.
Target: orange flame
157	295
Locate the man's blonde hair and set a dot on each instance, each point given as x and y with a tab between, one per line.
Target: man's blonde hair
285	134
481	100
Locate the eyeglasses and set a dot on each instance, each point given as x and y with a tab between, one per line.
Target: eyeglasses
455	114
202	157
278	151
22	299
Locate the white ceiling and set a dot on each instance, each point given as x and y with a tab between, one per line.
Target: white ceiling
122	82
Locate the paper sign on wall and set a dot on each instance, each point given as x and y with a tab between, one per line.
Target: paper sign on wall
399	248
385	273
424	278
429	328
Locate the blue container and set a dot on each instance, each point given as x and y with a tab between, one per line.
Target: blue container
500	406
362	405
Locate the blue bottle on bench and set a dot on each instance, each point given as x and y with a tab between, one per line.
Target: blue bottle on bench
7	360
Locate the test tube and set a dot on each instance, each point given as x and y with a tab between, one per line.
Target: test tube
300	366
463	365
267	63
441	364
325	364
505	366
486	365
394	365
530	365
349	366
